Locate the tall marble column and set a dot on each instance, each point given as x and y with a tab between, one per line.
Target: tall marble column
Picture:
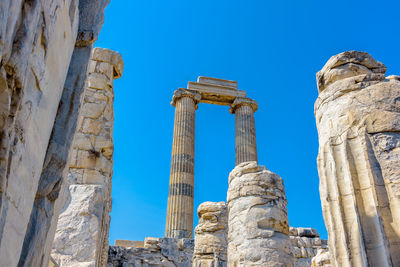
179	222
245	129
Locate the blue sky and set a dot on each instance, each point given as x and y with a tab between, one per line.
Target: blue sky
272	48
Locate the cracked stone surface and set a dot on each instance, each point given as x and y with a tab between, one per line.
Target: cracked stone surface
358	121
210	248
157	252
258	227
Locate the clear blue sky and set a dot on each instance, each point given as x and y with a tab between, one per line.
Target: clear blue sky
272	48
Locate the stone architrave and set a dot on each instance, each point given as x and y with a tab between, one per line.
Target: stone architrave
180	199
358	121
258	228
210	245
81	238
245	129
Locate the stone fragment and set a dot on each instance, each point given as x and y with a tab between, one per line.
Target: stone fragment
210	247
322	259
257	218
358	121
167	252
129	244
76	241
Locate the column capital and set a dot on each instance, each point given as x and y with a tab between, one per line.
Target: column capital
181	92
241	101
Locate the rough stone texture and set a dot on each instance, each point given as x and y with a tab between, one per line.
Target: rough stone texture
210	247
37	39
322	259
305	244
81	237
258	228
358	120
157	252
46	208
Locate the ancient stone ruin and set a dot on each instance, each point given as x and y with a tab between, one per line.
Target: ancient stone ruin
213	91
56	148
358	115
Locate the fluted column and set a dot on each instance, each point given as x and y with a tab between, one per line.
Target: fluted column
358	120
179	222
245	129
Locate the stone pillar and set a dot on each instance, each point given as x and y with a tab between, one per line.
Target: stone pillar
37	42
210	246
258	227
179	222
245	129
358	121
42	225
82	232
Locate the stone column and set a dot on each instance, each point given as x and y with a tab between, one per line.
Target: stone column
245	129
258	227
179	222
210	246
81	238
358	121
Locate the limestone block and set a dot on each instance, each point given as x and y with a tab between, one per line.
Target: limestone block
358	121
157	252
129	243
322	259
304	245
211	235
92	110
257	218
76	239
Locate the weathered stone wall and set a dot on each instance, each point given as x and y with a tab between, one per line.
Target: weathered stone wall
37	40
157	252
358	120
258	225
82	232
210	246
305	244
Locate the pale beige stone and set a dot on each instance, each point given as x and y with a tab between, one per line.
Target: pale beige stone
257	218
322	259
129	243
31	73
210	247
163	252
358	120
77	237
92	155
92	110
